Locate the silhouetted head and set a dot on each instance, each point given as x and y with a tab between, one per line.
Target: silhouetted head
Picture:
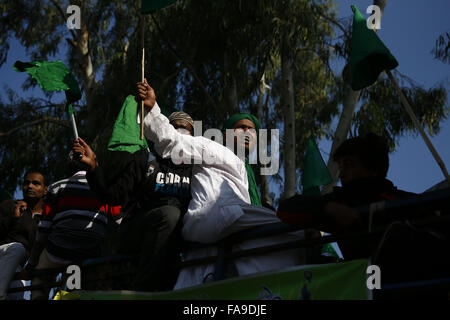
362	157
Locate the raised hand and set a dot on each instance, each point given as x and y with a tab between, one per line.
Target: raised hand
88	156
146	93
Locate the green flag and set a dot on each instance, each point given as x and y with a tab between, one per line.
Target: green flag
125	135
328	249
315	171
369	56
149	6
52	76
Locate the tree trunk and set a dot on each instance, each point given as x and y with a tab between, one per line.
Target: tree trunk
231	94
348	109
265	193
86	65
80	44
287	98
230	90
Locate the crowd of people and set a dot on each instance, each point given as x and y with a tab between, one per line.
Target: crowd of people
158	203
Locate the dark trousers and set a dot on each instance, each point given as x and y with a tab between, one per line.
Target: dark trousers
155	235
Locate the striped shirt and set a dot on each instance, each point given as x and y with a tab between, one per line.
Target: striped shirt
74	220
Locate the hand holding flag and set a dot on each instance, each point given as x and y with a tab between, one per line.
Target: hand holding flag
88	156
146	94
148	6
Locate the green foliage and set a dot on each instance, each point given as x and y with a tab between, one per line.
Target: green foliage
442	49
39	139
381	110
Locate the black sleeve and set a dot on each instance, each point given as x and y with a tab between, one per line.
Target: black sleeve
120	190
24	230
305	211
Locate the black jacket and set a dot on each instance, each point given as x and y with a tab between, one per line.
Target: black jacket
308	212
147	182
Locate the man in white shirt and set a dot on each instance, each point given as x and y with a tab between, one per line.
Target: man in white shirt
220	202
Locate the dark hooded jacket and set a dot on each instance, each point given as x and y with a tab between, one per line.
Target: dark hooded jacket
147	182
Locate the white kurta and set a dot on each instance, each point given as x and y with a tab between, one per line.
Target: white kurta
219	188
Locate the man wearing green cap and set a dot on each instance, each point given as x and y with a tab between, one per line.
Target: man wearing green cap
221	202
245	131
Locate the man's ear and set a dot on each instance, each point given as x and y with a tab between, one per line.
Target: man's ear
45	190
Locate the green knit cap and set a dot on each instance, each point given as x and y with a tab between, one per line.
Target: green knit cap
240	116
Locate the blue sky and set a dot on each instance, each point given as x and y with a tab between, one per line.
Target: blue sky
409	28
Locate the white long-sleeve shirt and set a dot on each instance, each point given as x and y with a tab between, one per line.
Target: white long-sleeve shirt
219	184
220	202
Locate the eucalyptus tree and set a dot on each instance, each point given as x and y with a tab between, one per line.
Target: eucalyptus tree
206	57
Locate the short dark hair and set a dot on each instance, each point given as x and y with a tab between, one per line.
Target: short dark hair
371	149
36	171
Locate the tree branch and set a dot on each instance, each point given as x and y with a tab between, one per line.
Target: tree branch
57	121
72	42
333	21
63	15
197	79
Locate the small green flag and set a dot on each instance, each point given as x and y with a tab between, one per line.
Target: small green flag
149	6
328	251
369	56
52	76
315	171
125	135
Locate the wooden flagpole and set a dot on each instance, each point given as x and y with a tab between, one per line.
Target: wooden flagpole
142	74
418	126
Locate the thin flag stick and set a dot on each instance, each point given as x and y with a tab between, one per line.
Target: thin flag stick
72	121
142	75
74	126
418	126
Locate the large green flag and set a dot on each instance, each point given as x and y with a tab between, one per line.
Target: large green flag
315	171
125	135
149	6
369	56
333	281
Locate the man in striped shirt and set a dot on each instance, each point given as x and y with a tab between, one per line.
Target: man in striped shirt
72	227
